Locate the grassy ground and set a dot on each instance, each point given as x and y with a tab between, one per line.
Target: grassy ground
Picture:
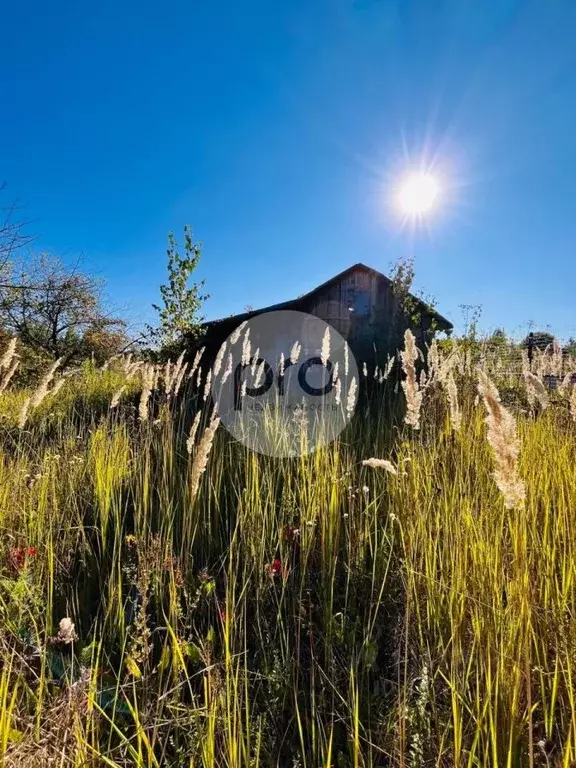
289	612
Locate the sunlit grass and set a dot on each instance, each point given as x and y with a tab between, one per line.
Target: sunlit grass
304	611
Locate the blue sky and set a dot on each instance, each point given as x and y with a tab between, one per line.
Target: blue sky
279	131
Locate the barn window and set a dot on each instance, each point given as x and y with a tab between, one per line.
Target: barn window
361	303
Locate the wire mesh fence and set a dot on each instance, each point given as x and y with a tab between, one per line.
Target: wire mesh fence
553	363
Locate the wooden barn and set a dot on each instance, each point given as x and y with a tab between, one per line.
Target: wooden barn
360	303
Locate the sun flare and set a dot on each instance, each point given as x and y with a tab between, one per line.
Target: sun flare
418	194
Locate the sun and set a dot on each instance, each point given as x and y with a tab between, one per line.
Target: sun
418	194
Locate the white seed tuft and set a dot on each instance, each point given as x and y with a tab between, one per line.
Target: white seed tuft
381	464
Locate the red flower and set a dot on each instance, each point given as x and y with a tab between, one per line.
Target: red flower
18	555
275	568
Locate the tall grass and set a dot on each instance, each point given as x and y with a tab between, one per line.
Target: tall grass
233	609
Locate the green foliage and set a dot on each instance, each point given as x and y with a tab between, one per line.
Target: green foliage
57	311
539	339
570	348
471	314
410	310
498	337
179	315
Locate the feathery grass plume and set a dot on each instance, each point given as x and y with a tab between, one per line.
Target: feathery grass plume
351	399
346	361
536	390
448	365
325	349
42	389
117	396
179	379
338	393
505	444
246	347
295	352
389	366
57	386
106	363
133	369
254	361
433	359
24	410
236	334
6	379
219	358
565	384
193	431
365	370
335	371
525	362
259	373
196	362
541	358
147	383
207	385
9	354
176	372
200	459
573	404
167	376
556	358
410	384
381	464
154	377
376	373
468	361
483	362
281	365
456	358
228	371
452	392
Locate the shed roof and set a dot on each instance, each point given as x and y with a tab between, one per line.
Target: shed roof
295	304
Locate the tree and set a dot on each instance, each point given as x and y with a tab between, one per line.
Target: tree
538	340
12	235
498	338
54	309
570	348
179	316
410	309
103	343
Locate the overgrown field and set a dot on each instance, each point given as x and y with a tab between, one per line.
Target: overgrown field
312	611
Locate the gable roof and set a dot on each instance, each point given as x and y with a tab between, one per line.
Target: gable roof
295	304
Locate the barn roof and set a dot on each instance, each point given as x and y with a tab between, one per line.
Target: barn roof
295	304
